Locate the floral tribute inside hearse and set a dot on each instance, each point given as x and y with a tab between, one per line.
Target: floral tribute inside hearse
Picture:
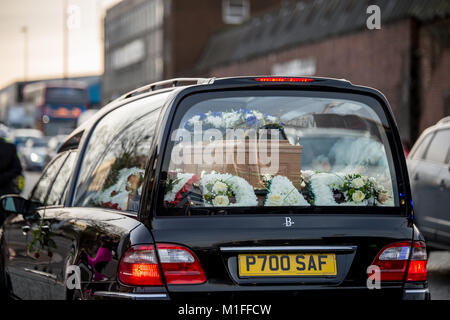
278	151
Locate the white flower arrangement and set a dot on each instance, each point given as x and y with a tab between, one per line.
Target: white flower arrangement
219	189
116	196
283	193
354	189
232	119
320	184
178	183
361	189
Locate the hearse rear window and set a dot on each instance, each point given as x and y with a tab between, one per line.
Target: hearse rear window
257	149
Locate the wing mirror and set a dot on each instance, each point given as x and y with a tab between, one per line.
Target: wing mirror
15	204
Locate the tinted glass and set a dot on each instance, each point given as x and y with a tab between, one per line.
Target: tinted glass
113	168
40	191
58	188
275	148
438	149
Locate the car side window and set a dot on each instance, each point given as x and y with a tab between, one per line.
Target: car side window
112	170
55	195
39	193
439	146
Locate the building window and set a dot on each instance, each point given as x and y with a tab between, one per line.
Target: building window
235	11
129	54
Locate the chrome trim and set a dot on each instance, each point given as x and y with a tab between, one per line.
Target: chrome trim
132	296
288	248
415	291
416	294
41	273
437	221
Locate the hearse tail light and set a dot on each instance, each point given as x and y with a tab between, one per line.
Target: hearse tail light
139	267
283	79
417	270
180	265
393	260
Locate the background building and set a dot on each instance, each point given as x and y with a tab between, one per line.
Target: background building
408	59
150	40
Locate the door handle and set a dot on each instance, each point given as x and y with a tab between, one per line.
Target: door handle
416	176
25	230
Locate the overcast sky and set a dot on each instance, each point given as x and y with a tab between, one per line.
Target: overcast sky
44	19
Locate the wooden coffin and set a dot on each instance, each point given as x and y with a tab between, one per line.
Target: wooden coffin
241	158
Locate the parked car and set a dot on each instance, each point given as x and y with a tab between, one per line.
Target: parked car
193	189
429	172
21	136
33	154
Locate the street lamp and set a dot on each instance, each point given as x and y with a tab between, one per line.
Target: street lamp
65	41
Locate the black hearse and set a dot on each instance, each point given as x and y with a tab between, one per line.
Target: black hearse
222	188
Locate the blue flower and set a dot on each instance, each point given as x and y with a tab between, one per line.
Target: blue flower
251	121
246	111
216	114
202	115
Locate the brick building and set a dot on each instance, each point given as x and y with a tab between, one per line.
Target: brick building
408	59
151	40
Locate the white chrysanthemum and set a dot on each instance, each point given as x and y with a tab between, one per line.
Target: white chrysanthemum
274	200
321	188
192	121
307	174
232	119
283	187
215	121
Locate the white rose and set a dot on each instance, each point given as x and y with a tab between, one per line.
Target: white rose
221	201
358	183
275	200
259	116
358	196
219	187
272	119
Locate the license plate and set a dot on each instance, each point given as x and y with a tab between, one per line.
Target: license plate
292	264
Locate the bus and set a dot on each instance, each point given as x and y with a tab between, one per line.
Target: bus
57	105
